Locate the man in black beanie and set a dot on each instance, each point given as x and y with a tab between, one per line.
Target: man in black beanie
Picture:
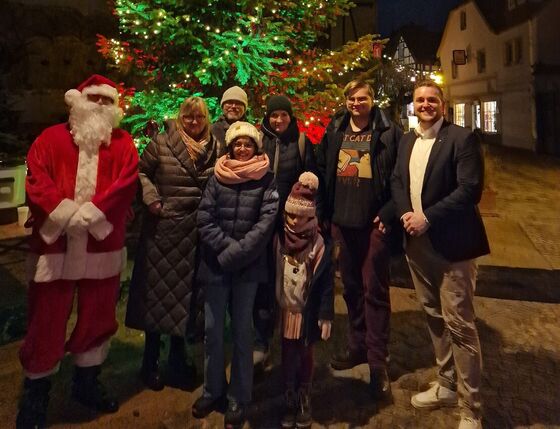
290	153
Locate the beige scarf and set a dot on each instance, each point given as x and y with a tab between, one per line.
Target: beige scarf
231	171
197	149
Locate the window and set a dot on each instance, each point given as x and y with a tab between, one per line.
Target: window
460	114
511	4
517	52
454	70
463	20
481	61
490	115
513	51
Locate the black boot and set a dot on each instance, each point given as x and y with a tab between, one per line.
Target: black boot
88	391
380	385
180	374
303	417
33	405
235	415
290	408
150	362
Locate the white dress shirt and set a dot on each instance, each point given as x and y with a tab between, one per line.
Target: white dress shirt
421	150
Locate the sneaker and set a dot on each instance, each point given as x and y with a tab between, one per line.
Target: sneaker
435	397
348	359
470	423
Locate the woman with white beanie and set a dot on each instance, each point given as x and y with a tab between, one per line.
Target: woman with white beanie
235	220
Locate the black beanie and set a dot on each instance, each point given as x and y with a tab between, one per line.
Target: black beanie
278	102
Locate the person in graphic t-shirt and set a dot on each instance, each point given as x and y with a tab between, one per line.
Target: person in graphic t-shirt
356	158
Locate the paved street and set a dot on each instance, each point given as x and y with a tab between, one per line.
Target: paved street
520	336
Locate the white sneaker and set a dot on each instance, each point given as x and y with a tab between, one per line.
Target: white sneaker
470	423
435	397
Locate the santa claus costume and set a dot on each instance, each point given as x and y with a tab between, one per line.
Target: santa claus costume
81	180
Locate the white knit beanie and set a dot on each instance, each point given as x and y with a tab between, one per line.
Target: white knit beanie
243	129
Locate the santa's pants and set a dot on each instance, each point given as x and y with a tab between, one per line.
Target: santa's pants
49	308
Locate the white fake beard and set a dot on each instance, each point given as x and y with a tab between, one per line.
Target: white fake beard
91	124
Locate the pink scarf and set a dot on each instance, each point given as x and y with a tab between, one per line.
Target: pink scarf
231	171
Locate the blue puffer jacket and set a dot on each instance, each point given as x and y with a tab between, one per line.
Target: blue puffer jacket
235	223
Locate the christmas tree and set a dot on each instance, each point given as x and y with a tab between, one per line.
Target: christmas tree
173	49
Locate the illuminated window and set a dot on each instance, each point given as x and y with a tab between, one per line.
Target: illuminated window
490	114
460	114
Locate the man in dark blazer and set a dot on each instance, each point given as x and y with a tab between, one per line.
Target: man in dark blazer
436	186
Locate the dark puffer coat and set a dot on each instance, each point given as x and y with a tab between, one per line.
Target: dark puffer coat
162	291
290	163
235	224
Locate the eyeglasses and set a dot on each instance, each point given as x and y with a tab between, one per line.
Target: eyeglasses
233	103
190	118
244	145
359	100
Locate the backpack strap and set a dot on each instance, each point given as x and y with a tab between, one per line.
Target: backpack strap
301	146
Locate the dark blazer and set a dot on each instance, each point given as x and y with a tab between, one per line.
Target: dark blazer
451	190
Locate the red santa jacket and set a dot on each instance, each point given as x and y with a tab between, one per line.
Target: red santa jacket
79	200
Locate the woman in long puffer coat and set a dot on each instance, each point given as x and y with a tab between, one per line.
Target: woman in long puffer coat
174	170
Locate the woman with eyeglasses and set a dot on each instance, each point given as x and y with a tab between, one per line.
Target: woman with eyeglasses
235	220
174	169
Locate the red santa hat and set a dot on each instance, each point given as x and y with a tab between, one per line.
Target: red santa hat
95	84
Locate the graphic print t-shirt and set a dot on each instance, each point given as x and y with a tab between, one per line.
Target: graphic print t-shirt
353	198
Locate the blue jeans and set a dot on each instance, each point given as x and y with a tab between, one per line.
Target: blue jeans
240	297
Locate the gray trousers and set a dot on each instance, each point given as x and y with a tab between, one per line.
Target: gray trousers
239	298
446	291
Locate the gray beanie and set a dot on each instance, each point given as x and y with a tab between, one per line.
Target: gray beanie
234	93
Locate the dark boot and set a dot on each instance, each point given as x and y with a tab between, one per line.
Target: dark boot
348	359
33	405
149	372
235	415
303	417
380	385
88	391
204	406
180	374
290	408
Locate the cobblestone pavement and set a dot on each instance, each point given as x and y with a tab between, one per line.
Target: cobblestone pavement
520	339
521	353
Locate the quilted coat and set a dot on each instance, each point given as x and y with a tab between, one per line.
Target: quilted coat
163	297
235	224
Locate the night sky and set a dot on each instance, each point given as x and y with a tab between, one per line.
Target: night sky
432	14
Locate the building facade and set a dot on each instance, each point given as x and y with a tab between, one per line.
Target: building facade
509	84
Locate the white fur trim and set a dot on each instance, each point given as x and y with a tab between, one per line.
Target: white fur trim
101	230
57	220
38	375
51	266
103	89
99	227
71	96
86	175
93	357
